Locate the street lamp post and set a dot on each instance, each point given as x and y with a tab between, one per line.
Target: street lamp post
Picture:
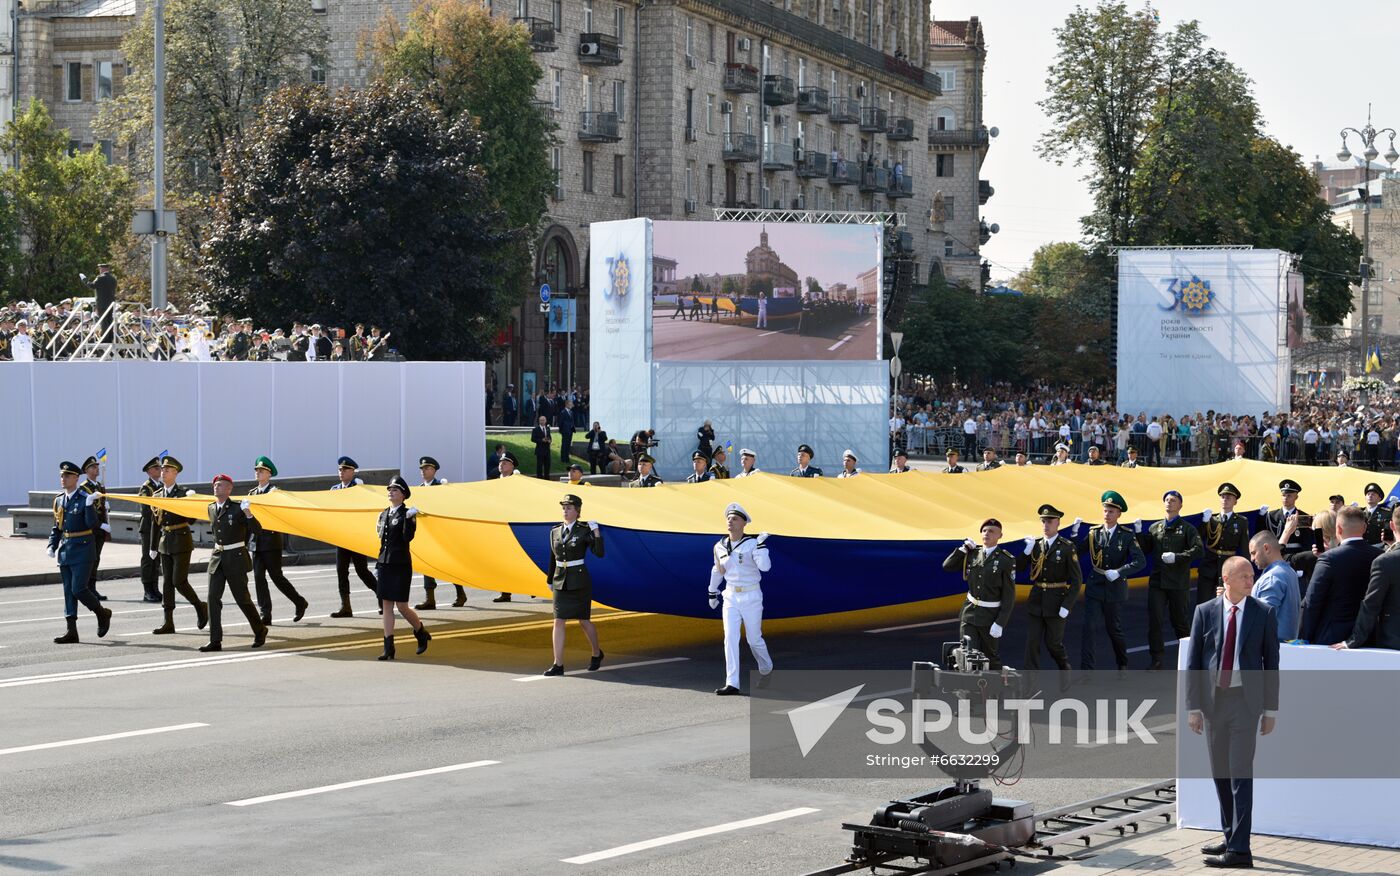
1368	137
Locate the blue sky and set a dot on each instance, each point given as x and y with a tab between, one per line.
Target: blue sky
1314	67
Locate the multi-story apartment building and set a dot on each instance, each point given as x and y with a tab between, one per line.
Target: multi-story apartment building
669	109
1383	308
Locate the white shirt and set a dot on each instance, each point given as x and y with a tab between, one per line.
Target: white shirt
22	348
1310	436
1154	430
969	426
1373	437
740	565
744	474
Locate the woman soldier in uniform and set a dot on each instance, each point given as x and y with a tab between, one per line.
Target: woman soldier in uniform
569	543
394	570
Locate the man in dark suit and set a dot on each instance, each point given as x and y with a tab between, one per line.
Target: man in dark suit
541	438
104	290
566	430
1339	582
597	439
1378	621
1232	693
320	345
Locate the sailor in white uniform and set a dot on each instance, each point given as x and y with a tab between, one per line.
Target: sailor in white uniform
848	465
740	561
746	462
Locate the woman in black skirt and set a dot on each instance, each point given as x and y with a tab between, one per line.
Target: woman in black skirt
394	570
569	543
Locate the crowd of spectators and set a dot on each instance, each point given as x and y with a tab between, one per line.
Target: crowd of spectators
1324	425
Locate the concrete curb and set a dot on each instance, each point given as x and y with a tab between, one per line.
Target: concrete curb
106	574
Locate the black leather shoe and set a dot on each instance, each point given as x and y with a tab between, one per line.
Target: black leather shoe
1214	848
554	670
595	661
201	613
727	691
151	597
301	610
260	638
1230	861
212	646
504	597
104	621
1155	667
100	597
764	680
266	619
423	637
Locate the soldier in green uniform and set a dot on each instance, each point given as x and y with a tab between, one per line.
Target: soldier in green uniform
719	470
1095	455
1377	514
1173	544
1052	566
173	548
229	565
952	467
569	544
103	532
266	549
428	467
1224	535
150	566
646	477
989	460
990	573
1114	557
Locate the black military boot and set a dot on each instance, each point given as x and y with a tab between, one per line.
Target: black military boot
168	627
429	602
70	637
423	637
104	615
345	610
201	611
388	649
461	599
301	605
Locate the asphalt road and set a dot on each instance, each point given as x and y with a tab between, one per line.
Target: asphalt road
723	340
523	776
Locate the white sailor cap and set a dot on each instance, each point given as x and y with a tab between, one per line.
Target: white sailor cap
749	453
1062	446
735	508
849	455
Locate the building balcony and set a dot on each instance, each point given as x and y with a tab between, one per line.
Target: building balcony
779	156
812	100
598	127
844	111
900	187
984	191
741	78
842	173
813	165
875	179
541	33
779	90
740	147
956	138
599	49
873	119
901	128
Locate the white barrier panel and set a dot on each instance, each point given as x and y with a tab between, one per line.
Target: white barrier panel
1202	329
219	416
1335	810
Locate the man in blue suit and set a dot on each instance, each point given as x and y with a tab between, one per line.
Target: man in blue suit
1232	693
1338	582
72	541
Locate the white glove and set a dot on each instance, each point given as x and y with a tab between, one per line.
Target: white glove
244	505
1205	516
1064	612
762	537
155	554
593	526
411	512
189	493
1137	525
714	600
93	497
1263	509
967	546
1169	558
1112	575
53	552
1078	522
996	631
82	276
107	528
1030	546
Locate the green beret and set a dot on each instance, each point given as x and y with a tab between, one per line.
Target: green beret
1112	498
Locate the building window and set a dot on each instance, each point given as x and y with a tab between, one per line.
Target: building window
318	74
944	120
588	173
74	146
949	77
587	16
947	247
558	15
710	41
1373	324
106	147
689	112
709	184
948	214
522	8
104	80
748	120
619	23
1373	298
943	164
709	114
801	72
556	161
619	98
73	88
587	93
617	176
558	88
690	181
690	37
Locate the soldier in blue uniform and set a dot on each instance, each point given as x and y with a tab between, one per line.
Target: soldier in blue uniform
229	564
805	469
702	472
345	558
71	542
266	548
1114	557
173	548
428	467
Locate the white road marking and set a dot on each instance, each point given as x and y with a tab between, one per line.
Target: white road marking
35	620
105	738
40	599
325	789
1140	648
604	668
671	839
937	623
866	324
838	343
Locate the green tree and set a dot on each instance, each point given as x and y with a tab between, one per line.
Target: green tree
952	332
70	210
814	289
366	205
729	287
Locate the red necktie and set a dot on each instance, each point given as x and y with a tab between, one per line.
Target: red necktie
1227	659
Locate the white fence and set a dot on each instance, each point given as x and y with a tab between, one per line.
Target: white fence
219	416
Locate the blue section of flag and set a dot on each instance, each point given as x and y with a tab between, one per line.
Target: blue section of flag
101	455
